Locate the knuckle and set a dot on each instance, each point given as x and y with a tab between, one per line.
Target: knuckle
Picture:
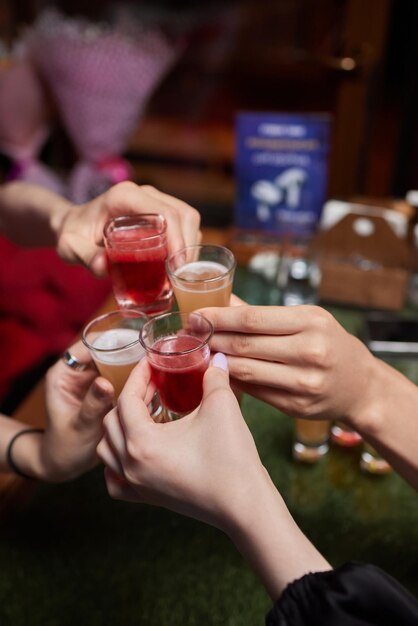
317	353
242	371
303	407
252	319
148	188
240	344
311	384
321	319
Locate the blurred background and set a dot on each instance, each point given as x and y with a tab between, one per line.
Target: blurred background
356	60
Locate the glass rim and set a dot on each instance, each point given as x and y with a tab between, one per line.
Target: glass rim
181	352
200	280
139	216
109	314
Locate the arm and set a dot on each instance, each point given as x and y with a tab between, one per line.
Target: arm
185	466
302	361
188	467
76	402
33	216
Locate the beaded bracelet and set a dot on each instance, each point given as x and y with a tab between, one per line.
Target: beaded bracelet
9	457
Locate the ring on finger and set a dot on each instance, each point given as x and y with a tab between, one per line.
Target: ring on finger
72	361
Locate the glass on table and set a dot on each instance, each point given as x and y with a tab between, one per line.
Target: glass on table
113	342
371	461
177	347
201	276
298	274
311	441
344	436
136	250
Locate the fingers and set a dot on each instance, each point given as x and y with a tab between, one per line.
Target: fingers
273	320
216	377
77	376
136	395
282	349
118	488
108	457
182	220
97	402
289	403
272	374
187	215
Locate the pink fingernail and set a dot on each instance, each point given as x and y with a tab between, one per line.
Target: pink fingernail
220	360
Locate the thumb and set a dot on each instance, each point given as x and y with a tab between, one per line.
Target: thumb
216	377
97	402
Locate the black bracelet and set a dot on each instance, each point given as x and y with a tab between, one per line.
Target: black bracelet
9	457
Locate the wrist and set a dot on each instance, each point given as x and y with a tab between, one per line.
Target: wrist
24	453
367	415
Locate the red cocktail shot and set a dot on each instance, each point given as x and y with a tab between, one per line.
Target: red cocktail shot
178	352
136	248
180	384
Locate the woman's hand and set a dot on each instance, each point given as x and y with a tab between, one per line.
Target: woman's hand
299	359
80	228
204	465
76	403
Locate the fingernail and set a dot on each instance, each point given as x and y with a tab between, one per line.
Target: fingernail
220	360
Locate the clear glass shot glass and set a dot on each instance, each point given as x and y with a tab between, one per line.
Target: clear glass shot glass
371	461
311	441
345	436
113	342
136	250
298	275
177	347
201	276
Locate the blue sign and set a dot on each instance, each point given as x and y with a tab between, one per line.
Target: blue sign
281	171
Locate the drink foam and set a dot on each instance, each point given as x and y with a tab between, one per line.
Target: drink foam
118	338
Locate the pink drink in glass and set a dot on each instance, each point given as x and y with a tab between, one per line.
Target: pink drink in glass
180	383
177	348
136	253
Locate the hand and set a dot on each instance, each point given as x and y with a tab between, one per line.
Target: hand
80	228
299	359
76	403
204	465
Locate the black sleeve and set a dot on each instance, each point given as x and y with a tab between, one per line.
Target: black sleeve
352	595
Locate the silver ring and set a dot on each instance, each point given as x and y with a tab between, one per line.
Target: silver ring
72	362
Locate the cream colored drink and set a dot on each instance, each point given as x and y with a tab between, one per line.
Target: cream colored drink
116	352
312	432
200	284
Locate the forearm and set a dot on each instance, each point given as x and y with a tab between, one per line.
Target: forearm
31	215
269	539
389	421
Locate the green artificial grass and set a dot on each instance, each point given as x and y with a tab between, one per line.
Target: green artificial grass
71	556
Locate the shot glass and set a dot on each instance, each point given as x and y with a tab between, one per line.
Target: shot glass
136	250
311	440
113	342
177	347
372	463
201	276
298	275
345	436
